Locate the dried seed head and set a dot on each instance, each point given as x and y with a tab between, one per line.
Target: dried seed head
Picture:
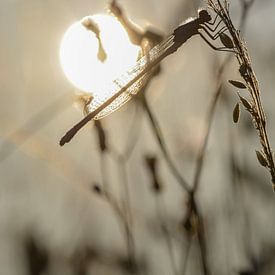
256	126
237	84
226	41
246	103
243	70
236	113
261	158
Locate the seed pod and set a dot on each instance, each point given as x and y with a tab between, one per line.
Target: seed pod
243	70
261	158
151	162
97	189
101	136
226	41
237	84
256	126
236	113
191	223
245	103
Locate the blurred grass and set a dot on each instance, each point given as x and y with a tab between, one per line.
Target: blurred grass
239	219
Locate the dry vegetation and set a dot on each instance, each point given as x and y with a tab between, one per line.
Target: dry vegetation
187	240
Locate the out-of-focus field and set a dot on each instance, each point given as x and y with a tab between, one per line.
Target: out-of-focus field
46	190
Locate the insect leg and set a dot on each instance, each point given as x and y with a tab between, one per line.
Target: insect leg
208	25
215	35
222	30
221	49
214	21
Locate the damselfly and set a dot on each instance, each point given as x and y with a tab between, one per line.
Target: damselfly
129	84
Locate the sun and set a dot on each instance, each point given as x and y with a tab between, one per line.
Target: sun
79	54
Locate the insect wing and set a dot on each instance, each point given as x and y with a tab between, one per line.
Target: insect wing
116	86
134	80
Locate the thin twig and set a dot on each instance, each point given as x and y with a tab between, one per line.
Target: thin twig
254	104
200	160
123	216
160	209
127	210
160	139
187	252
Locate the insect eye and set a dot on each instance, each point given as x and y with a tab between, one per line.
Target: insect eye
204	15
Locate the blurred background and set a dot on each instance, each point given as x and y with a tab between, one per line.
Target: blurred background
82	209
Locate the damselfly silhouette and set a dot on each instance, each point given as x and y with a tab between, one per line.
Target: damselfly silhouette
129	84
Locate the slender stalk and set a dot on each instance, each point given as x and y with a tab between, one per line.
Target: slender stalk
121	212
200	161
185	260
160	139
160	210
254	104
127	210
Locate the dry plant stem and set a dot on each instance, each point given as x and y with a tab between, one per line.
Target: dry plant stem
132	138
256	111
124	213
138	37
127	210
198	170
160	209
202	242
122	216
210	115
200	234
238	187
202	150
241	206
200	161
185	260
199	165
133	135
160	139
121	160
203	247
211	111
107	195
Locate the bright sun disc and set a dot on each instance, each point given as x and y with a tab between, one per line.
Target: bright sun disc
78	54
